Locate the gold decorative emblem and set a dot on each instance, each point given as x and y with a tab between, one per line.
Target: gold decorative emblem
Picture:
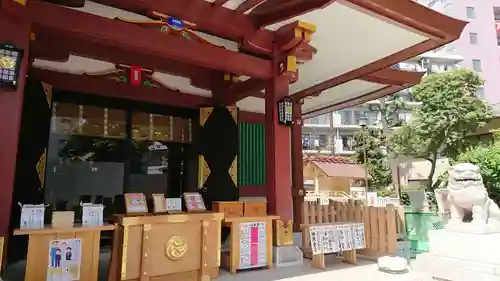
233	171
176	247
234	113
40	168
7	62
204	114
203	172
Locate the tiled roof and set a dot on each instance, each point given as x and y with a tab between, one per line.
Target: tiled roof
337	166
328	159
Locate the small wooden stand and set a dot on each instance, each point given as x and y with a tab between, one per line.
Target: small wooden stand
318	261
234	223
37	260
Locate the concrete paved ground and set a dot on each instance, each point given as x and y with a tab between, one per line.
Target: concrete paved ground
364	271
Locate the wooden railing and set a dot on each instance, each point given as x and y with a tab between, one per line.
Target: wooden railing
328	194
382	224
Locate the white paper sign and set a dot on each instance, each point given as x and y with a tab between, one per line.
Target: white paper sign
174	204
333	239
92	214
326	239
313	236
32	216
326	243
345	237
358	236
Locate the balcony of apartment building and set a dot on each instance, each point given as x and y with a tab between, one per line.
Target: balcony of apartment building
496	14
406	95
324	143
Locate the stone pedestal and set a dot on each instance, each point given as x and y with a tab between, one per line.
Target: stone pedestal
462	256
289	255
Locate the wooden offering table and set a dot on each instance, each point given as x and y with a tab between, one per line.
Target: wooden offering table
66	253
167	247
251	242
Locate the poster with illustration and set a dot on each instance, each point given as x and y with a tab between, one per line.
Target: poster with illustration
64	260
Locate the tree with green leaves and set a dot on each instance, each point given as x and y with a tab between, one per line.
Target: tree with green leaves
450	111
370	141
387	108
487	158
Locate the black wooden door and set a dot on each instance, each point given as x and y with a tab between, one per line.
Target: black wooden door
31	153
219	148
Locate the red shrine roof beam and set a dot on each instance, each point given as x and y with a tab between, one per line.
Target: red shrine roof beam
110	88
387	78
124	43
386	31
384	83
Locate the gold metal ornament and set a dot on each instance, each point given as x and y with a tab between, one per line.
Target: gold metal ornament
233	171
176	247
7	62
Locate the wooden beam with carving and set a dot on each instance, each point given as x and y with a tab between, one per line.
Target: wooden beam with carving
211	18
385	91
44	48
247	5
273	11
141	44
67	3
220	2
240	90
294	39
395	77
105	87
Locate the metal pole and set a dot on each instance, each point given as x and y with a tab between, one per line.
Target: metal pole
366	165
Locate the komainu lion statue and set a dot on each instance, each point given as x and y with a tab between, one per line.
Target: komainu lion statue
468	196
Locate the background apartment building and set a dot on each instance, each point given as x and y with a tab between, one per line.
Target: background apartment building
479	44
477	49
333	133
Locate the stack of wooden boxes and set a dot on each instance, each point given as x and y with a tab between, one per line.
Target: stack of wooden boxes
240	209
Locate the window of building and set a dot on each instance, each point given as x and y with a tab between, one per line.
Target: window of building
473	38
471	12
102	148
346	117
404	116
360	115
347	143
476	65
87	148
323	141
310	141
320	120
480	92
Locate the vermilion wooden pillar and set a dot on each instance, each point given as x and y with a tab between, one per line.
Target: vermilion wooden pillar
298	191
16	31
278	159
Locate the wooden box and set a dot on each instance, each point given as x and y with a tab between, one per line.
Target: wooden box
63	219
255	209
229	208
167	248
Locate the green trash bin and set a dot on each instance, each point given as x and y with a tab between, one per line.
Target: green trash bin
417	226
